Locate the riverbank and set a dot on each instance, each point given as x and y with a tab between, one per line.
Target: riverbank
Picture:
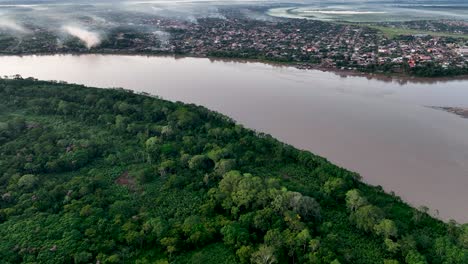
460	111
342	72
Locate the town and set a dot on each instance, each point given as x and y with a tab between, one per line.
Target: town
306	44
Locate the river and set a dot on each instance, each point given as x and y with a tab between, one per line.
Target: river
381	129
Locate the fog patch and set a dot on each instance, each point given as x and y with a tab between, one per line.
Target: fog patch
89	38
163	38
10	24
183	11
260	16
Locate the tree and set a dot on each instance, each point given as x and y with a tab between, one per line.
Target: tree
115	258
387	228
184	118
123	108
264	219
407	244
335	187
155	228
274	239
16	125
225	165
305	206
367	217
170	243
244	254
414	257
82	257
167	166
264	255
152	146
195	229
308	208
234	235
247	193
290	243
354	200
121	122
201	162
303	238
463	239
76	159
419	213
27	181
217	153
65	108
391	246
448	252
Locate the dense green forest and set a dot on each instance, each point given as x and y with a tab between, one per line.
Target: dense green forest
109	176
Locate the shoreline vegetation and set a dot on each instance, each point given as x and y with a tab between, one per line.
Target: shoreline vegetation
112	176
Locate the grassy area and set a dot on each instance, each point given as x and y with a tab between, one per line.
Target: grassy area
393	32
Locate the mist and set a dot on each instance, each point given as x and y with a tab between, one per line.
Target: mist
91	39
95	22
12	25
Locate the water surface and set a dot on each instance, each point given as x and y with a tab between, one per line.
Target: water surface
376	11
383	130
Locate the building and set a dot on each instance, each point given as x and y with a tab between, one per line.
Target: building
463	51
